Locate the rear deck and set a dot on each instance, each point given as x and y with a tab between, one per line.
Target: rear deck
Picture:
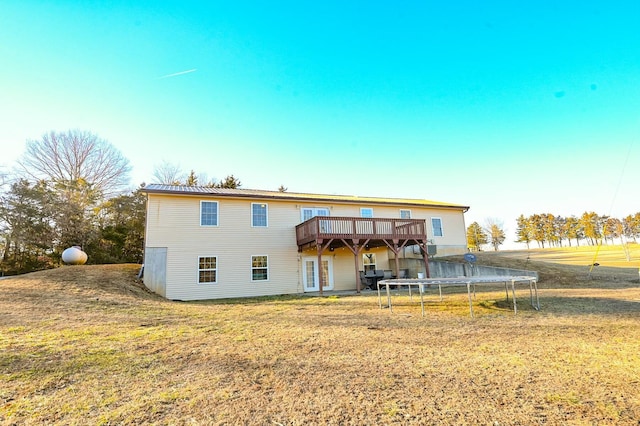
356	233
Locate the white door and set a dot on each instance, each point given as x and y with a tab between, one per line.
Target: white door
310	273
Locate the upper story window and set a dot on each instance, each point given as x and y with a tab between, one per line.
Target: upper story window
258	214
405	214
366	212
309	212
208	213
436	226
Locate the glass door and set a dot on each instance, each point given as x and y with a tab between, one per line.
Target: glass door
310	274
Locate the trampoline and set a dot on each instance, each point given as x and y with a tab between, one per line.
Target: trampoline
469	282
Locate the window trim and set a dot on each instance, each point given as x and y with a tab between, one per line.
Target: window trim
374	263
208	269
314	212
433	229
266	216
217	213
363	209
266	256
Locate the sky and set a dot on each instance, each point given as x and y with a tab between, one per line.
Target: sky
510	108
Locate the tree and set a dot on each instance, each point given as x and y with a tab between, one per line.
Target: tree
524	233
536	222
171	174
120	223
168	173
549	230
613	228
496	234
476	236
229	182
75	207
572	229
590	223
26	227
631	225
192	179
73	156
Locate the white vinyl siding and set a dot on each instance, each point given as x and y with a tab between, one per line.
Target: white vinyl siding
208	213
173	222
259	215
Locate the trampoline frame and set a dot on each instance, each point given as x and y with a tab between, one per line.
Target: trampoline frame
468	282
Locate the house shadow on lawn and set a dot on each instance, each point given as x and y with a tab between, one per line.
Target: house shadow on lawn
585	305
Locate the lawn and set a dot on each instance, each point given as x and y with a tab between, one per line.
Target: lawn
89	345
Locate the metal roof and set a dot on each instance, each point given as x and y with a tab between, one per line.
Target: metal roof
155	188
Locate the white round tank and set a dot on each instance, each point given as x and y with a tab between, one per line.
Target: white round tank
74	256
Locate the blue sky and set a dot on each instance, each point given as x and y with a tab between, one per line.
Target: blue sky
508	107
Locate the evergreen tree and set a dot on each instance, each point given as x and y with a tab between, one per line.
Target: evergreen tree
496	236
476	237
524	233
229	182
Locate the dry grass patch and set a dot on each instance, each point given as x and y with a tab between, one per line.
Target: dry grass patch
89	345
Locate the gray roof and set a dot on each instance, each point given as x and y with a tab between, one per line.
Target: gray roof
155	188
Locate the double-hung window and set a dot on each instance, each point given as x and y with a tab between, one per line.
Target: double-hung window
308	213
207	270
259	215
259	268
436	226
208	213
366	212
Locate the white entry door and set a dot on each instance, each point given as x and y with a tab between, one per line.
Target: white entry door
310	273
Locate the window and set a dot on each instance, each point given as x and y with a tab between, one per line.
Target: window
369	262
436	226
207	270
208	213
309	212
258	214
405	214
259	268
366	212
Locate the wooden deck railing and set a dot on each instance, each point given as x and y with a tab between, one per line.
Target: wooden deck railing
327	227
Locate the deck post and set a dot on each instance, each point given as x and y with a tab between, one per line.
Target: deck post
319	247
425	255
396	251
355	256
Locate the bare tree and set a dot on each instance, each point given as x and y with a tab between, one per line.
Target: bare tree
169	173
495	231
74	156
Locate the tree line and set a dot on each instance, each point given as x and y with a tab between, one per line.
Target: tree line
549	230
68	189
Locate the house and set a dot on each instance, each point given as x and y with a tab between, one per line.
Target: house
210	243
